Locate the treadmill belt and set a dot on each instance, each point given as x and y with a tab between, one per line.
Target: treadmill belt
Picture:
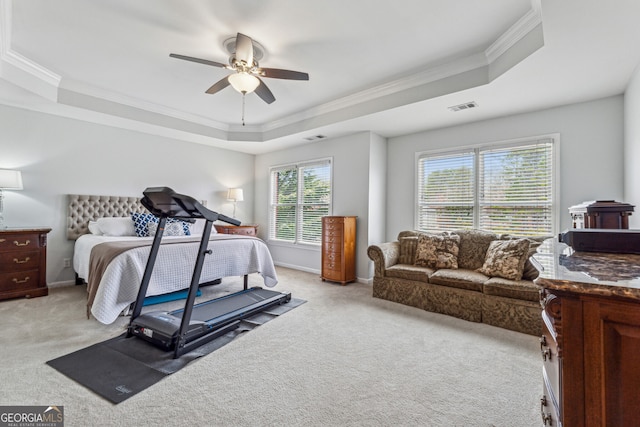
210	310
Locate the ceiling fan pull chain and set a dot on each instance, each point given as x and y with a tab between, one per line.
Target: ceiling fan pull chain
243	96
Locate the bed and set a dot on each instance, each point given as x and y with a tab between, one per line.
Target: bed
113	262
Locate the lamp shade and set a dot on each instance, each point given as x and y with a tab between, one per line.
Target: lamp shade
235	194
10	180
243	82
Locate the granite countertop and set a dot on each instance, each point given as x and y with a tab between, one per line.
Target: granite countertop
595	273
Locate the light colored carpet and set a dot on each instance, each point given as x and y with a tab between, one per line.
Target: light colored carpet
342	359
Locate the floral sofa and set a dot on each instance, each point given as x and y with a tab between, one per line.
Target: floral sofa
470	274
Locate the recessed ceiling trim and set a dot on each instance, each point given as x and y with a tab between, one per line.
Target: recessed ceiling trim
95	92
515	33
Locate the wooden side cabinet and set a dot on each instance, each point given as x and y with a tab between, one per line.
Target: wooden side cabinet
591	360
339	249
245	230
23	262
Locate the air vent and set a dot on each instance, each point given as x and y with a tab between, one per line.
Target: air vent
465	106
315	137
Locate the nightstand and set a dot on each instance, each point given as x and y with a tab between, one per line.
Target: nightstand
245	230
23	262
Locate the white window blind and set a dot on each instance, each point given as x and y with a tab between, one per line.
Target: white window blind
515	194
507	189
446	188
300	197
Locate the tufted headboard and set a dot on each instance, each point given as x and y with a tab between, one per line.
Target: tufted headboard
81	209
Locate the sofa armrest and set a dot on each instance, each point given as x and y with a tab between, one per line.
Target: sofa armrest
383	255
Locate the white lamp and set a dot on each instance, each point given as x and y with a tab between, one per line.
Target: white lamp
235	195
9	180
243	82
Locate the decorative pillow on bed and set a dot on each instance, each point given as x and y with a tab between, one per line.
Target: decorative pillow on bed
171	229
116	226
438	251
198	227
506	258
141	224
94	229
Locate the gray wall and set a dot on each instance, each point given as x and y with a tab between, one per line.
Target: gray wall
632	147
351	188
591	154
60	156
374	178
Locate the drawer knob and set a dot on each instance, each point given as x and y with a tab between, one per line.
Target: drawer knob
3	240
546	353
546	418
25	280
26	243
17	261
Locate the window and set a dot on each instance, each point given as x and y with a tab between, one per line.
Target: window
501	188
300	197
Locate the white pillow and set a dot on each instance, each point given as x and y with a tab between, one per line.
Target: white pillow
198	227
116	226
94	229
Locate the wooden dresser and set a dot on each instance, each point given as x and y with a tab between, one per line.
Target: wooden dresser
245	230
339	249
23	262
590	346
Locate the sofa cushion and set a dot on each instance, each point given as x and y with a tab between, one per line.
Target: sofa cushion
437	251
517	289
473	247
409	272
407	249
530	272
459	278
506	258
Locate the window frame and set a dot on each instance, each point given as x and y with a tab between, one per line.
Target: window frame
477	148
299	202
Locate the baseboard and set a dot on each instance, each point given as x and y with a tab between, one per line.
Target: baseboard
61	284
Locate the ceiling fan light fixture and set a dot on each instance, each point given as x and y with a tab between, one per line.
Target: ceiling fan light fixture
244	82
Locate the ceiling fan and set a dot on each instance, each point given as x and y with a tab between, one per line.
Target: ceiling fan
247	71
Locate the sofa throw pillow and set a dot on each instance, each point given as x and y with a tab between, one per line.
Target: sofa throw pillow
435	251
506	258
408	247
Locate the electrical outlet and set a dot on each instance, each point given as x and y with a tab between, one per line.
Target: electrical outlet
66	263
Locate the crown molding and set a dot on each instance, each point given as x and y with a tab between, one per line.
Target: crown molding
515	33
38	79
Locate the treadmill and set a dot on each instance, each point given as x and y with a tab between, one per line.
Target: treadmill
185	329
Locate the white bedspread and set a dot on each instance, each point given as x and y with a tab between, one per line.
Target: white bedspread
231	256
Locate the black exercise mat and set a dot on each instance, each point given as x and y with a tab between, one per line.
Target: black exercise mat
121	367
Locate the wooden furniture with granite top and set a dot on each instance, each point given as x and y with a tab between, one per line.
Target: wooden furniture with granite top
23	262
339	249
590	346
245	230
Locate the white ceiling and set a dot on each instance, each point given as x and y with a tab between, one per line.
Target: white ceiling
391	67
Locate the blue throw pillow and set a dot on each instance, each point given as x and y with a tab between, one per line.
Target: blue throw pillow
141	224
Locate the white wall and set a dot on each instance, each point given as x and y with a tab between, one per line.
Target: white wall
632	147
60	156
351	162
591	154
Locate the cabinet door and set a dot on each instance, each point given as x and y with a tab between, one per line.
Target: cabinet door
612	363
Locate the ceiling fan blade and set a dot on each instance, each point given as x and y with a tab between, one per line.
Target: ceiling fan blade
201	61
218	86
263	92
276	73
244	49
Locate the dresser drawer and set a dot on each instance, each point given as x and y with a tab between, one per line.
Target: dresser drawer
20	280
19	261
551	366
333	234
18	242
